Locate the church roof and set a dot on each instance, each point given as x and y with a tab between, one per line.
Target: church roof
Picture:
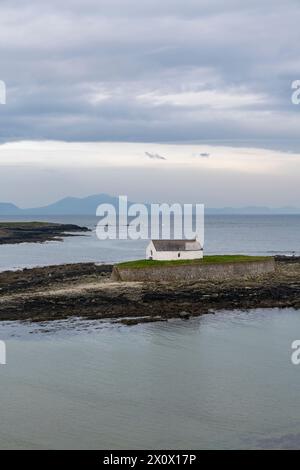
177	245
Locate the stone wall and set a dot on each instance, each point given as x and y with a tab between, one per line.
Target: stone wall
192	272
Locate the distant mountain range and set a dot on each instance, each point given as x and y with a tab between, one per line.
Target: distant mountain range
88	205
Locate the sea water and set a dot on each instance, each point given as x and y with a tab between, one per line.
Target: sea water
220	381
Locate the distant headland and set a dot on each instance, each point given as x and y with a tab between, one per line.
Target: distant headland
88	205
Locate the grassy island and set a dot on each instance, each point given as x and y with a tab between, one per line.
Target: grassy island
86	290
211	259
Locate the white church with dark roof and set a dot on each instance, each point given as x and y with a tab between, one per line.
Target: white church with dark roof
174	249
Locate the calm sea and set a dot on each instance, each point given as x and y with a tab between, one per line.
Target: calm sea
223	234
220	381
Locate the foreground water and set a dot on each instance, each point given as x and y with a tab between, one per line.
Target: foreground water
219	381
251	234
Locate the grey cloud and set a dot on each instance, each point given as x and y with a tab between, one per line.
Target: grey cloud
56	57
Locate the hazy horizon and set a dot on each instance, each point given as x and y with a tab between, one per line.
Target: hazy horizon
214	176
71	200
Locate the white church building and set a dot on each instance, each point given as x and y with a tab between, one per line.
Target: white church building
174	249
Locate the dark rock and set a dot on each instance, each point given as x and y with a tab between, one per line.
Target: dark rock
84	290
36	232
184	315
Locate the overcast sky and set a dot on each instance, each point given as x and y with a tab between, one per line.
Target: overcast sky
212	78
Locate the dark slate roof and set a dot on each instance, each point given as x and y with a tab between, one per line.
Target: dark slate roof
176	245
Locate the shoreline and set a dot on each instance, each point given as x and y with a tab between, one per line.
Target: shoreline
85	290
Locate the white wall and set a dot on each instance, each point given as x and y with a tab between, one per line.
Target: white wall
150	248
172	255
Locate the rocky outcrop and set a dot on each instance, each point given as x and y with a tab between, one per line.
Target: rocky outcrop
85	290
36	232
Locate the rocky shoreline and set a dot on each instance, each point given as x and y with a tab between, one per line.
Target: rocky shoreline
85	290
36	232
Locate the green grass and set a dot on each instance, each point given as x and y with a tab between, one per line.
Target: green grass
214	259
